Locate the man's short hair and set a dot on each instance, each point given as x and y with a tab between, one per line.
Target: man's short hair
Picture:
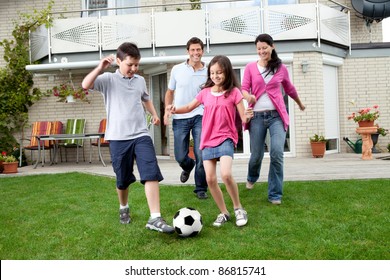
194	40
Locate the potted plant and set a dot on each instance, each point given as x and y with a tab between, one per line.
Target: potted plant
318	145
2	158
366	116
374	137
68	93
10	164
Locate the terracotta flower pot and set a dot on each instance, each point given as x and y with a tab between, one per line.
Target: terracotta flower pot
318	149
366	123
10	167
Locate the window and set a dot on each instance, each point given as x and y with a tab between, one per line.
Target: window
104	4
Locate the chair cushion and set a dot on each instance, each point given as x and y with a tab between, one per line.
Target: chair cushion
74	126
39	128
102	129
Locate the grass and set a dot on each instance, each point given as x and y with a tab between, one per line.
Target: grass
75	216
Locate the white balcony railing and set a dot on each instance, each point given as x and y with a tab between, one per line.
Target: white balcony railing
154	30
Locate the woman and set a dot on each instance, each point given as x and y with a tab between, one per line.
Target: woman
261	87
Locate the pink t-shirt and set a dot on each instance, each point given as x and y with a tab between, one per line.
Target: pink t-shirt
219	117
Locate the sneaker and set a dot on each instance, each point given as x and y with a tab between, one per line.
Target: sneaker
276	202
159	224
185	175
124	215
249	185
241	217
201	195
221	219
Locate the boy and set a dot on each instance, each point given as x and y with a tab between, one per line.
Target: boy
124	92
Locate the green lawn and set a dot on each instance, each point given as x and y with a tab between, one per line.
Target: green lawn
75	216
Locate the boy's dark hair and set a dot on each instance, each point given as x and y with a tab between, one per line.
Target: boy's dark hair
230	81
194	40
128	49
275	62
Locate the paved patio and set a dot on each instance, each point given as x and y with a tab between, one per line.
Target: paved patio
331	167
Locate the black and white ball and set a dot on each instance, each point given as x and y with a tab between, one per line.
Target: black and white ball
187	222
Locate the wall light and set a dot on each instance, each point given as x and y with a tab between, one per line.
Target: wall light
305	66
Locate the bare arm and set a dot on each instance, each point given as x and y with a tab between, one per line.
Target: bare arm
184	109
299	102
150	108
89	80
249	97
168	101
245	114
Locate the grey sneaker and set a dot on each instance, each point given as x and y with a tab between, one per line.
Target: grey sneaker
221	219
124	215
250	185
276	202
159	224
241	217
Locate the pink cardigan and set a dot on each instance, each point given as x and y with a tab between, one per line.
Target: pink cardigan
253	83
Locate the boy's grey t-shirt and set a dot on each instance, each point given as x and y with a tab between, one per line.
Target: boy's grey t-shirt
123	101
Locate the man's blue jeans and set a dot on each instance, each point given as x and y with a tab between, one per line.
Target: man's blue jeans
261	122
181	132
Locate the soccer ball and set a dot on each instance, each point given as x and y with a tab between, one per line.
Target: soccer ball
187	222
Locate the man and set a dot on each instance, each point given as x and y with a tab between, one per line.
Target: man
184	84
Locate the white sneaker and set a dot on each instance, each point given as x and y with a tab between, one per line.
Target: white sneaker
241	217
221	219
276	202
249	185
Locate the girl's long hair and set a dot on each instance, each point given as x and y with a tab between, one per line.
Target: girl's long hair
230	81
275	62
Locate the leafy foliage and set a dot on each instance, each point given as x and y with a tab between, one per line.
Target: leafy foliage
365	114
16	83
317	138
68	89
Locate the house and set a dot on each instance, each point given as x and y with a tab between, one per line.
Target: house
335	56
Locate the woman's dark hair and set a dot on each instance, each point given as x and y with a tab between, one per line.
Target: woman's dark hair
230	81
275	62
128	49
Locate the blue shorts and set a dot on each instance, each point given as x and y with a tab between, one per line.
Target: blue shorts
123	154
226	148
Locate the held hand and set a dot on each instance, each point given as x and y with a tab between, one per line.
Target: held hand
249	113
170	109
251	99
302	107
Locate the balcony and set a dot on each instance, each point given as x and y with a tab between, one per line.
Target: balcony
73	43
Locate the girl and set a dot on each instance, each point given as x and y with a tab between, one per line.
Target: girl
220	97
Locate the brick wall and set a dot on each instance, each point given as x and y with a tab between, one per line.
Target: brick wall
366	82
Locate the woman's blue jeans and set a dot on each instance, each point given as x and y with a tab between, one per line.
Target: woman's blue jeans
181	132
259	125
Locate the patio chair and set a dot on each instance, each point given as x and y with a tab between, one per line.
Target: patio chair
74	126
56	128
103	142
38	128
